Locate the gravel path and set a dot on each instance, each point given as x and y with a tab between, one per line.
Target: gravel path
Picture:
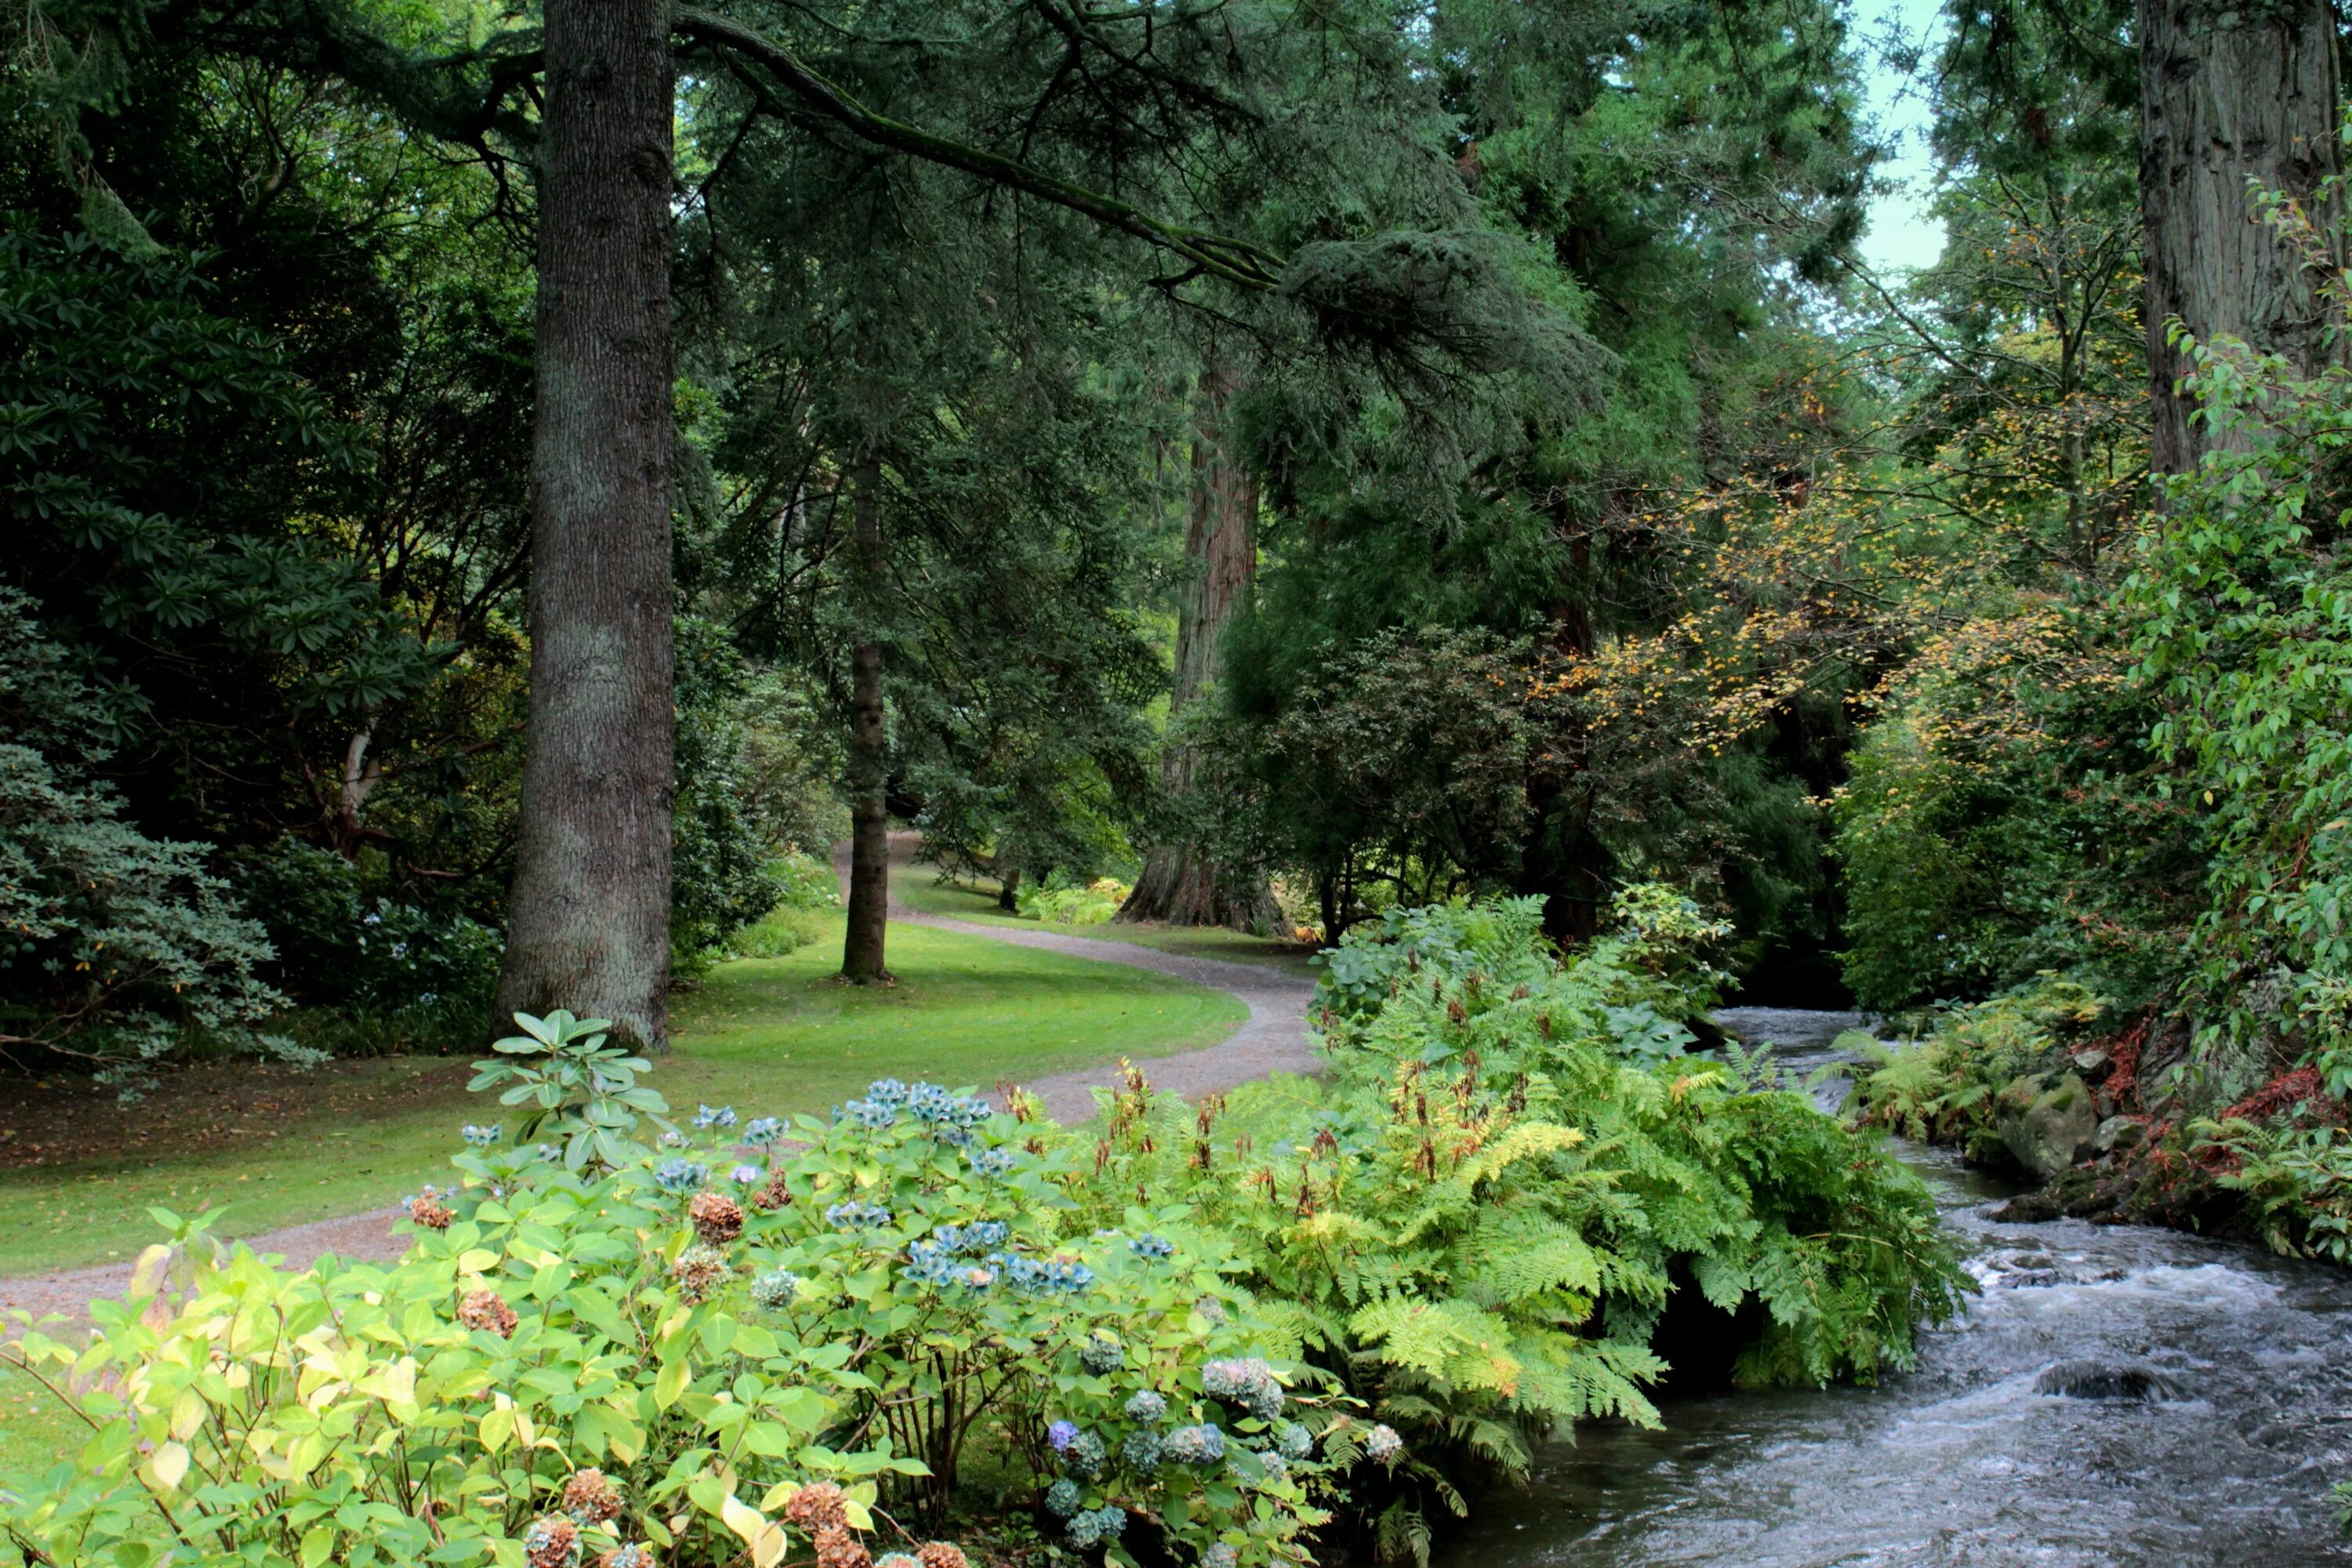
1275	1039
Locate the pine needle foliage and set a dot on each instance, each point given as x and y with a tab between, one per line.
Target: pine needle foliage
1476	1223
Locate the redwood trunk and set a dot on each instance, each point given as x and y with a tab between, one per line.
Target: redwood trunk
588	927
1182	883
863	941
2230	91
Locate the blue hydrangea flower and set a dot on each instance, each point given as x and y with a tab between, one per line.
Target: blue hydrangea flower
1382	1445
1148	1408
1062	1499
480	1137
721	1116
673	1139
945	1112
760	1131
869	1114
1201	1444
991	1162
1152	1246
1140	1452
681	1176
1085	1455
1102	1354
1250	1384
775	1290
1220	1554
1295	1441
855	1216
1061	1434
1035	1278
747	1175
887	1091
1095	1526
1277	1467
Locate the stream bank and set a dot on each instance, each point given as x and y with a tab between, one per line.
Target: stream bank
2116	1396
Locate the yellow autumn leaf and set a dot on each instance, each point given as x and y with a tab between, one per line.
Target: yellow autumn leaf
169	1465
754	1528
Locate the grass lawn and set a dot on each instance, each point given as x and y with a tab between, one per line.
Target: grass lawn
36	1430
919	888
767	1035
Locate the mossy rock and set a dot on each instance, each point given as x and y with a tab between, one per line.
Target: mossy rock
2048	1121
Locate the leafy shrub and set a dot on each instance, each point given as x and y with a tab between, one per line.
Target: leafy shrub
925	1229
808	882
1477	1225
574	1085
539	1369
114	947
615	1346
1941	1089
1073	903
782	933
344	943
2295	1180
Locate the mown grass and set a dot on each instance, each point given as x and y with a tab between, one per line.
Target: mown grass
768	1035
918	887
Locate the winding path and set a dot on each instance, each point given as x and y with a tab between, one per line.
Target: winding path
1275	1039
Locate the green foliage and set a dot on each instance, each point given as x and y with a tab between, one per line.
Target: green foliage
1476	1224
2244	611
960	1262
113	946
1062	901
342	941
665	1352
2294	1176
573	1086
443	1408
1402	759
1941	1089
727	830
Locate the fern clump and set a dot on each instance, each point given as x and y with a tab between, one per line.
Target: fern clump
1474	1225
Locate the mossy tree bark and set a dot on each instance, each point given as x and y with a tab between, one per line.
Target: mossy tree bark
863	955
2230	91
588	927
1182	883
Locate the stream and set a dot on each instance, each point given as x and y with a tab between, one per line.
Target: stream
2228	1413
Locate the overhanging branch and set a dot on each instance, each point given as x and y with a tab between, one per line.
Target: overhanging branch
1238	261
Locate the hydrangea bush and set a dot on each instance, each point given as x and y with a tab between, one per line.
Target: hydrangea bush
941	1235
545	1380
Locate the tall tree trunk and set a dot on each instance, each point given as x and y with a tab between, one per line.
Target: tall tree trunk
2231	91
1181	882
862	943
588	927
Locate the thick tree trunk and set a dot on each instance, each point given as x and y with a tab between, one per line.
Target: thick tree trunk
1180	883
588	927
862	944
2231	91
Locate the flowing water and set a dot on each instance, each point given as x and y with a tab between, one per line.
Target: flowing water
2116	1396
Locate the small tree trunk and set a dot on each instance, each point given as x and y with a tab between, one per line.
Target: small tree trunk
1180	883
1008	887
861	954
2231	91
588	926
